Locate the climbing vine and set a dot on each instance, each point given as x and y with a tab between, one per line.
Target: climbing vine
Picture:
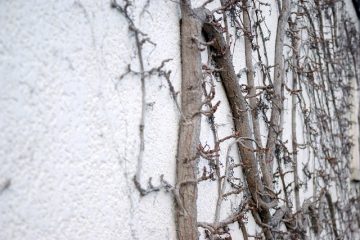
312	77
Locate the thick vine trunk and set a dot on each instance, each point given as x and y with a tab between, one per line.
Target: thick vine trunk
223	60
253	100
277	102
189	131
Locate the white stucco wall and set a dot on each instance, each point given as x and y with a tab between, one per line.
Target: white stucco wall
69	128
69	137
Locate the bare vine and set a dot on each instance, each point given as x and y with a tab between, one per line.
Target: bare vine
314	66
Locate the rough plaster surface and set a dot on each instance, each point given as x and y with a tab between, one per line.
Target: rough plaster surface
69	127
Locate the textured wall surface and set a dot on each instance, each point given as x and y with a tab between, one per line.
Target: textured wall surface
69	128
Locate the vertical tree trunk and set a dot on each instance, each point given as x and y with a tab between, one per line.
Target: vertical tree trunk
189	132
